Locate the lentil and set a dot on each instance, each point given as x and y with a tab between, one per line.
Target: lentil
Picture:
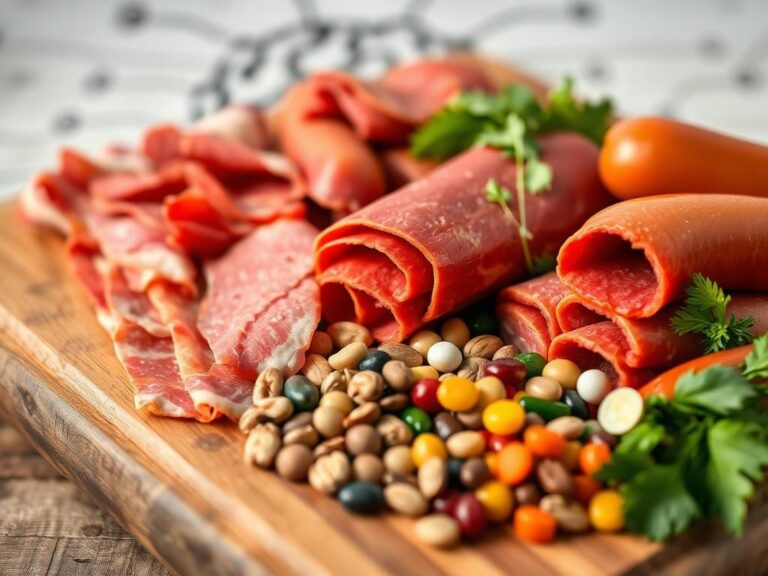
543	442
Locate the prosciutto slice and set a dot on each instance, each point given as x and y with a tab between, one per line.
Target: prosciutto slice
437	244
634	258
527	313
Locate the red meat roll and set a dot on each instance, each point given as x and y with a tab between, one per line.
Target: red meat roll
634	258
527	313
633	350
437	244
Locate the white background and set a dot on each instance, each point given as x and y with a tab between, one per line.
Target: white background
87	72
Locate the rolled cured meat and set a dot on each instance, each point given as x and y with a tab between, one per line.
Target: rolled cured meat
634	258
527	313
327	123
437	244
632	350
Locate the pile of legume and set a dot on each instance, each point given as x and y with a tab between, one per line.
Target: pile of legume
458	430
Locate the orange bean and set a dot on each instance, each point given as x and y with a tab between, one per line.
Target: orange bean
533	524
514	464
592	457
544	442
584	488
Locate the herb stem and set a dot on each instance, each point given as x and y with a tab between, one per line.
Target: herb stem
520	189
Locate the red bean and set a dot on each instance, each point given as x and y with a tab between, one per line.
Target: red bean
470	515
496	442
445	502
424	395
511	372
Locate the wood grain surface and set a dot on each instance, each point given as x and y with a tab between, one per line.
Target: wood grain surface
181	487
49	526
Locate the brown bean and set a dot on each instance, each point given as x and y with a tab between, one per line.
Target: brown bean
554	478
339	400
455	331
433	477
527	493
472	419
349	356
397	375
508	351
569	427
466	444
570	516
438	530
328	421
484	346
344	333
367	413
474	473
306	435
405	499
363	439
544	388
321	343
330	472
268	385
293	462
403	353
366	386
368	468
297	421
397	460
394	402
446	425
393	431
423	341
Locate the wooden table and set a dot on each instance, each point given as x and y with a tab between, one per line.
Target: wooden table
181	487
49	526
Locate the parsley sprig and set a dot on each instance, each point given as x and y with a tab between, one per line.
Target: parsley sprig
705	312
510	121
697	455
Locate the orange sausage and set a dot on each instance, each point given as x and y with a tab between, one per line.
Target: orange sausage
665	383
650	156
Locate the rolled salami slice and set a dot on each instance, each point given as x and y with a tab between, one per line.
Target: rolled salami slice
634	258
527	313
437	244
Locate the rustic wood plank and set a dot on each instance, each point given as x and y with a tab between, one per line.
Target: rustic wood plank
22	555
181	489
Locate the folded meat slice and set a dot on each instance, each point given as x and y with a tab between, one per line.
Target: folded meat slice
260	310
328	123
527	313
437	244
633	350
635	257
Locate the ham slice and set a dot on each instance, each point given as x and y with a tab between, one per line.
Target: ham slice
634	258
527	313
437	244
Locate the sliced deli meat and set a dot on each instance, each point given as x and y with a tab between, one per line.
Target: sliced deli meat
527	312
437	244
634	258
633	350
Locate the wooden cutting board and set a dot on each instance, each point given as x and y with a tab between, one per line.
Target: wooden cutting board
181	487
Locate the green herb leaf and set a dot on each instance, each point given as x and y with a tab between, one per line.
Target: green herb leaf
642	439
565	112
446	134
538	176
720	390
704	312
624	466
496	193
543	264
738	452
756	363
657	503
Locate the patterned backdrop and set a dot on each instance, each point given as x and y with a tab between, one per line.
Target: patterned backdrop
84	72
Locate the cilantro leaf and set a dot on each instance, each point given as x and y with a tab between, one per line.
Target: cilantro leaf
657	503
496	193
756	363
624	466
642	439
704	312
538	176
738	451
448	133
718	390
565	112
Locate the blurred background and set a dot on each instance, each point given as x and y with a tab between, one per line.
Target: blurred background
87	72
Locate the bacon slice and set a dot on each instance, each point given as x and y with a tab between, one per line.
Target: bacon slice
527	313
635	257
437	244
